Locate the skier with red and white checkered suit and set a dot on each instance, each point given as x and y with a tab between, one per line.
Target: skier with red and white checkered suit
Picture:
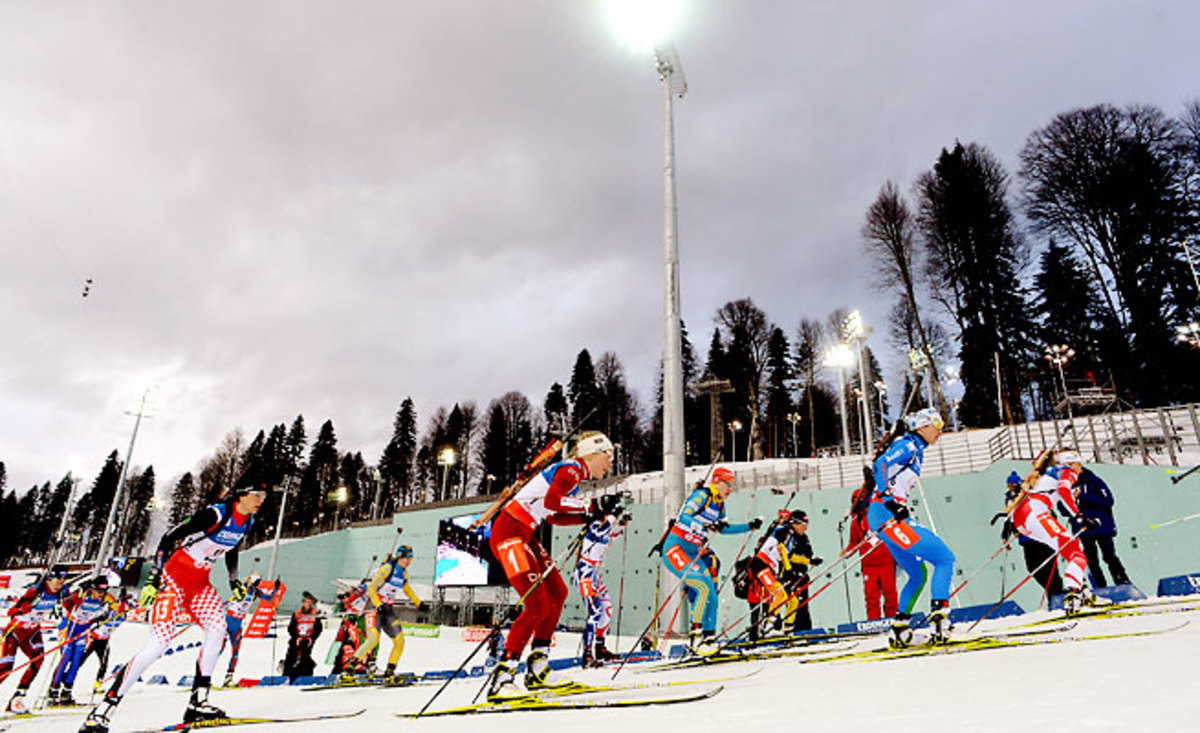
182	593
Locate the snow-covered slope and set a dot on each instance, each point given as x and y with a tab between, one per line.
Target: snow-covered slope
1127	684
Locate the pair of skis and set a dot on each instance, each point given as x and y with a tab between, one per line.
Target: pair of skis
574	697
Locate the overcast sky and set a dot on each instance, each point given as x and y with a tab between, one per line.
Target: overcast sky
322	208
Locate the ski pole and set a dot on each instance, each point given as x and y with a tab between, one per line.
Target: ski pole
673	594
621	590
1169	522
1003	548
44	654
1025	580
842	559
1185	474
498	625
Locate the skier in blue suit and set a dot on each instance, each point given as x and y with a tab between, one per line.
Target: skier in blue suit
895	472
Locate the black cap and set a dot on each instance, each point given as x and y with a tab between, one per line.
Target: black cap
308	596
798	515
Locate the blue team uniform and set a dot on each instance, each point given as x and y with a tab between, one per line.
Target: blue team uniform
686	538
912	545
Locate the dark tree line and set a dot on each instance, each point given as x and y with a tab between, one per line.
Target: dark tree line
1088	253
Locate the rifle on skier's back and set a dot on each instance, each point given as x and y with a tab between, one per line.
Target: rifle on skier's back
539	462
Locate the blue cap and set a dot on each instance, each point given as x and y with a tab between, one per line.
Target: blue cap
1014	478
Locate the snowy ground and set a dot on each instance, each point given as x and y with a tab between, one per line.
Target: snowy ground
1129	684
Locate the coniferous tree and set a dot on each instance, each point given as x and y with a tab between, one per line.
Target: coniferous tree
319	480
1070	311
184	499
137	512
1113	184
583	393
779	396
91	513
495	450
808	362
396	463
618	409
556	411
974	257
746	331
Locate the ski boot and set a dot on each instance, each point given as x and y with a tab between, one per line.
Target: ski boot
939	622
1072	601
17	704
228	680
539	676
97	720
53	695
901	636
702	643
199	708
588	659
503	685
66	699
603	655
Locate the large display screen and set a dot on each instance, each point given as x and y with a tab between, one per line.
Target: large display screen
463	555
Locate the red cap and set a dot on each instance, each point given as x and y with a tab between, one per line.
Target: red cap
722	475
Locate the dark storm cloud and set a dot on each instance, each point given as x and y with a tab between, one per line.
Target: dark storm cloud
323	208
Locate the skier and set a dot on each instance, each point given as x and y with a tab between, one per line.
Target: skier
768	597
1034	518
878	567
550	496
24	631
181	592
382	593
87	608
912	545
686	554
100	634
592	589
794	575
1036	554
349	636
235	615
303	629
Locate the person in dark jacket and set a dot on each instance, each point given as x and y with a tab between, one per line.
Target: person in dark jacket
1095	502
303	630
795	578
1037	555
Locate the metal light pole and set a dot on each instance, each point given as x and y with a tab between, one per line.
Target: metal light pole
855	330
839	357
794	418
670	73
287	489
143	407
446	459
645	25
734	427
1058	355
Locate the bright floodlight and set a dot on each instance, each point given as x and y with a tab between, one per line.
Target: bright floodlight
839	356
643	24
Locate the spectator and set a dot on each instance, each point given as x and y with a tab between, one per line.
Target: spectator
1095	502
878	567
1037	554
303	630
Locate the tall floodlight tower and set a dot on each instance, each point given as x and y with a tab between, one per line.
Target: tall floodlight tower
647	24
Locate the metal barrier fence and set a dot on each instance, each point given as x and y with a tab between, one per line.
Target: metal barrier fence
1156	436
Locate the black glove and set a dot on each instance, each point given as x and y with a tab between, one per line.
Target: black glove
756	523
1088	521
816	561
1009	530
718	526
604	505
898	511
